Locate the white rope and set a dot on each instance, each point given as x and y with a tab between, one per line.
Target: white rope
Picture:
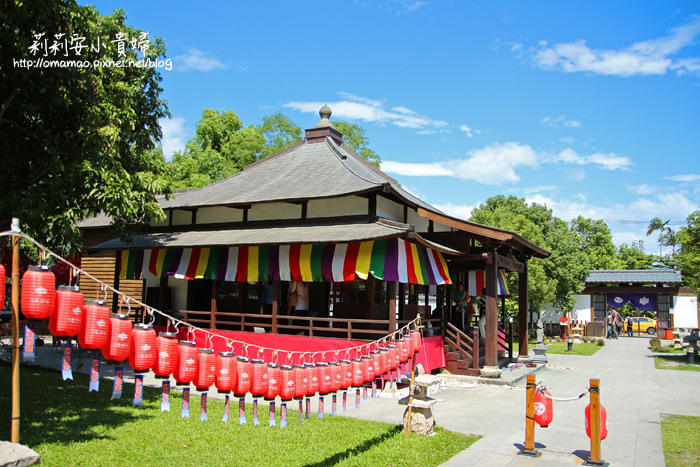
561	399
209	335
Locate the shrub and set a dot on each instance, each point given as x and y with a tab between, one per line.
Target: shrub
600	342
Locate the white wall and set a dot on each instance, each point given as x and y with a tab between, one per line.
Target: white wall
685	311
268	211
218	215
389	209
421	223
345	206
178	290
581	311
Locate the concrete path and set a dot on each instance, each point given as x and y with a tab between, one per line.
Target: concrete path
633	392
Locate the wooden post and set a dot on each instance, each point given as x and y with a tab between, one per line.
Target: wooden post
213	308
529	448
275	305
491	338
392	306
410	389
475	348
595	421
523	315
14	436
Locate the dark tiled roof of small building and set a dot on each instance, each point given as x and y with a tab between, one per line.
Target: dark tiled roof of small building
634	276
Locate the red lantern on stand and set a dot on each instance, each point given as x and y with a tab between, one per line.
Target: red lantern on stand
186	366
358	374
603	421
346	373
118	344
302	381
324	378
336	376
206	369
367	369
244	380
68	311
94	328
143	348
38	292
288	382
417	340
409	344
403	350
312	374
274	381
383	360
226	367
166	354
259	383
394	358
2	285
376	363
543	408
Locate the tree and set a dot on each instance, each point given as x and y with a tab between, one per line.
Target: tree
279	132
557	279
355	137
689	255
633	256
595	240
658	225
76	136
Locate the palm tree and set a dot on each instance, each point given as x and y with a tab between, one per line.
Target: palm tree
658	225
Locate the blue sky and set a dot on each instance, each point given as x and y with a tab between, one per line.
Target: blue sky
589	107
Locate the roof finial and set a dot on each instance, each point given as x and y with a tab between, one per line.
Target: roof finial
325	113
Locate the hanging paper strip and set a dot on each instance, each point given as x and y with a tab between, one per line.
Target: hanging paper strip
66	368
283	415
165	396
29	344
227	408
256	422
185	411
389	259
320	407
118	382
477	282
241	411
95	373
138	390
334	406
203	408
271	415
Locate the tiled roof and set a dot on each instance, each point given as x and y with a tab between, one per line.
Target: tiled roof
635	276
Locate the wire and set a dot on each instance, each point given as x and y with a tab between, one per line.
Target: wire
208	334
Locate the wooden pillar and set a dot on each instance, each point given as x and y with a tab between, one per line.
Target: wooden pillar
523	315
402	299
392	306
491	349
214	308
163	299
275	305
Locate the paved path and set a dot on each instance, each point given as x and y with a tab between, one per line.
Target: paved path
633	392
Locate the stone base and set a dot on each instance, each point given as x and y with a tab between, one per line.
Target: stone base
422	421
577	338
540	353
17	455
524	359
490	372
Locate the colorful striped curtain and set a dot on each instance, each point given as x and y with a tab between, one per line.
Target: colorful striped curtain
477	282
391	260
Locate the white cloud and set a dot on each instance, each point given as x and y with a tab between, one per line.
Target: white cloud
174	135
195	59
460	211
684	178
609	161
361	108
495	164
651	57
534	189
560	120
415	170
469	131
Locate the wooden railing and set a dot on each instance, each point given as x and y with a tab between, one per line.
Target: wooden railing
467	347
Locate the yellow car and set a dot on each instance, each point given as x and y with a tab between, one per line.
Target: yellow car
643	324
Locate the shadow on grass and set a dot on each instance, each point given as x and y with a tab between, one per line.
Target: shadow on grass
366	446
64	412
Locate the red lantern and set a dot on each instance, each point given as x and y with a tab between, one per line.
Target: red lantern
346	372
417	340
68	311
336	376
383	360
226	367
376	362
367	369
94	328
358	374
244	380
394	358
143	348
38	292
324	378
312	375
259	383
274	380
288	382
403	350
603	422
206	369
543	408
302	381
166	354
186	366
118	344
409	344
2	286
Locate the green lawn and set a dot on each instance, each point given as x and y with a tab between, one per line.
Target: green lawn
675	362
578	349
67	425
681	439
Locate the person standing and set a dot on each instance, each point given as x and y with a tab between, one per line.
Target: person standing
629	326
611	323
462	299
618	323
481	305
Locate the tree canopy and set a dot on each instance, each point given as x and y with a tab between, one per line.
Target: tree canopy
689	254
77	139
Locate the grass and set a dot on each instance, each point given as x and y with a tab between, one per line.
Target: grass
578	349
674	362
681	440
67	425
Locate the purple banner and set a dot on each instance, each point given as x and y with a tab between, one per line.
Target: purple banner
646	302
